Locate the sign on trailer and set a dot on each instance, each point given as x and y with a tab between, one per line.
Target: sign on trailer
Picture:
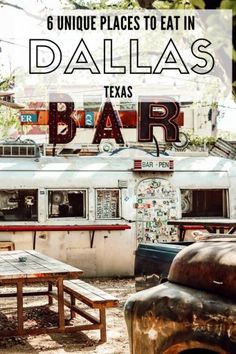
153	165
29	118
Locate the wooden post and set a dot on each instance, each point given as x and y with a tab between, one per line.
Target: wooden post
20	320
103	330
61	314
50	299
72	312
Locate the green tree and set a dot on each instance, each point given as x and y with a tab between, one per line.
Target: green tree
8	117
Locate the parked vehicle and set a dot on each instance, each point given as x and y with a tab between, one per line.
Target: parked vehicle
194	311
153	261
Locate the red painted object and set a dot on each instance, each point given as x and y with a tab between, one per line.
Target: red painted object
63	227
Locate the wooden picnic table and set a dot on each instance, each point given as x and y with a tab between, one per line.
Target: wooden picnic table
211	225
37	267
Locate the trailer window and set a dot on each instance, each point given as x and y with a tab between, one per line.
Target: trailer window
18	205
204	203
66	203
108	204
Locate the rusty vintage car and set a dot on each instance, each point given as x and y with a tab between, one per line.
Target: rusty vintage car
194	311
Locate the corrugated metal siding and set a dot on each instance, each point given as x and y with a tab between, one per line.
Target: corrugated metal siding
223	149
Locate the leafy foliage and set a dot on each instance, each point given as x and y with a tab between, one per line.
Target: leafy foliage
8	122
102	4
6	83
8	117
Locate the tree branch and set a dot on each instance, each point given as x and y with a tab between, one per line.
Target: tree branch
4	3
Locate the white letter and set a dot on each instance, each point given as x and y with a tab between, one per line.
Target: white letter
82	59
50	56
206	57
108	60
135	68
171	60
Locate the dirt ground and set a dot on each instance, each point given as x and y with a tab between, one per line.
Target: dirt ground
37	312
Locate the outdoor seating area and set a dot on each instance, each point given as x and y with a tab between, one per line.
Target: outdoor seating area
23	269
7	246
221	226
118	177
93	298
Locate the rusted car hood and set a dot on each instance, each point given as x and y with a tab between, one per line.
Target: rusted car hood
209	266
169	318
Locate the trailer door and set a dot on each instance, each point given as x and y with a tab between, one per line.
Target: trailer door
157	201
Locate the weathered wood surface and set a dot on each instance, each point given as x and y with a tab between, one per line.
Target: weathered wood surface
90	295
210	224
36	266
204	221
7	245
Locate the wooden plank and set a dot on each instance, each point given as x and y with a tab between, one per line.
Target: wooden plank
76	288
72	302
87	294
10	265
81	312
20	319
86	327
53	262
83	298
73	307
50	299
95	290
36	266
60	294
103	330
28	293
201	221
42	264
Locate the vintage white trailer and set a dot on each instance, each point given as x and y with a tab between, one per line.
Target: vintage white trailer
92	211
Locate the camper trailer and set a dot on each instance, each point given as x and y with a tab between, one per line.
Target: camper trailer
92	211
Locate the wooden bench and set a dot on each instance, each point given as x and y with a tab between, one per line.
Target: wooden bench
7	245
94	298
184	228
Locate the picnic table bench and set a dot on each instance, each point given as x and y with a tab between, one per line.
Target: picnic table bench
212	225
94	298
22	268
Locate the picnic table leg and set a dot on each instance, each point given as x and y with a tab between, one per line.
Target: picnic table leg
103	330
210	229
72	312
181	233
20	321
232	230
60	295
50	300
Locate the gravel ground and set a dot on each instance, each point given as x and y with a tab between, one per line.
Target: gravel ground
37	313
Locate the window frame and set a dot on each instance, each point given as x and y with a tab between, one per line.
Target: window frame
119	203
225	200
85	206
25	220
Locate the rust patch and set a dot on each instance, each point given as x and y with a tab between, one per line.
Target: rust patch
178	348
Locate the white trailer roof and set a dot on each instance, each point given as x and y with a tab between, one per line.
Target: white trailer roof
111	163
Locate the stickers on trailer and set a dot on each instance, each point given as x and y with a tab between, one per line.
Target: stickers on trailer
156	203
